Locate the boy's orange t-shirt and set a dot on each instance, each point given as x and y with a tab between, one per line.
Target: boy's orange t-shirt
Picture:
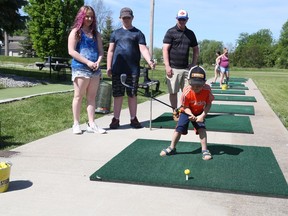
196	101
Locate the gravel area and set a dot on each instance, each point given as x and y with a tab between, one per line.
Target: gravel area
12	81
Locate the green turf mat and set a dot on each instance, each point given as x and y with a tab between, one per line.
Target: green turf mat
238	79
234	98
232	109
231	87
234	168
228	91
233	84
224	123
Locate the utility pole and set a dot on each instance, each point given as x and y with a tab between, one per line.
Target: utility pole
152	4
6	43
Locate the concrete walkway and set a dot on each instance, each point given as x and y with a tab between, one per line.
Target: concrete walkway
50	176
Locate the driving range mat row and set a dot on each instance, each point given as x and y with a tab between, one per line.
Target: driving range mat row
234	168
233	84
222	123
238	79
231	87
233	109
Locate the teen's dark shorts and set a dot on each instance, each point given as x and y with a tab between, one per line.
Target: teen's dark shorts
118	89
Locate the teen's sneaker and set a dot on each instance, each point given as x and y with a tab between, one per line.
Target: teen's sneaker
95	129
76	129
114	124
135	123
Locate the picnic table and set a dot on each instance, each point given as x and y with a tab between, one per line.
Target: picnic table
55	64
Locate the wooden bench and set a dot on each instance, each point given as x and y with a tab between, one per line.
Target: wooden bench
147	82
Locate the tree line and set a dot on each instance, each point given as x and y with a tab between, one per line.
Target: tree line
47	25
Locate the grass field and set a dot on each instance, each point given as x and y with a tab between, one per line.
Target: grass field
31	119
274	87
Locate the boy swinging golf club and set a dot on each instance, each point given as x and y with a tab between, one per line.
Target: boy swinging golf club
196	101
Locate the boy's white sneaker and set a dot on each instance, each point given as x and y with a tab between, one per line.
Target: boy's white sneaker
95	129
76	129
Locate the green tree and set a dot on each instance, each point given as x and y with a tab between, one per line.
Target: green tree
11	19
254	50
101	12
106	33
50	23
208	48
281	52
27	45
158	55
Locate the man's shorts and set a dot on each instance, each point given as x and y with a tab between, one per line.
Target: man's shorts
118	89
183	124
177	81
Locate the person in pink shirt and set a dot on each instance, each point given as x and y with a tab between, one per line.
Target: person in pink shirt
224	66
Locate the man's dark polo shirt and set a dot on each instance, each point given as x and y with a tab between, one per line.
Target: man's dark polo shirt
180	42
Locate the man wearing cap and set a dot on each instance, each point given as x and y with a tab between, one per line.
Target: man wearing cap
125	48
196	101
176	46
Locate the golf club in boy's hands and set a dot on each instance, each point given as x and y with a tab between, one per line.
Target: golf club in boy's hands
176	111
123	78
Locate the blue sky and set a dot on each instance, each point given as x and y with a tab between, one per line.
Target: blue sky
221	20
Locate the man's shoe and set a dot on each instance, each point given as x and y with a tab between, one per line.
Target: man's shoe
135	123
95	129
114	124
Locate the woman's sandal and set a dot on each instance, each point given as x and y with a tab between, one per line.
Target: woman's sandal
168	151
206	155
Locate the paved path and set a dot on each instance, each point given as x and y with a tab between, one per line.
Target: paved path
50	176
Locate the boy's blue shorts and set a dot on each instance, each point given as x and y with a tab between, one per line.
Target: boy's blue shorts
183	124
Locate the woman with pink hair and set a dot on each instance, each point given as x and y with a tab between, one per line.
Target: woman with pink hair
86	48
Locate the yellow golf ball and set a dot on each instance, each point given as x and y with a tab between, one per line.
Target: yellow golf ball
187	171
